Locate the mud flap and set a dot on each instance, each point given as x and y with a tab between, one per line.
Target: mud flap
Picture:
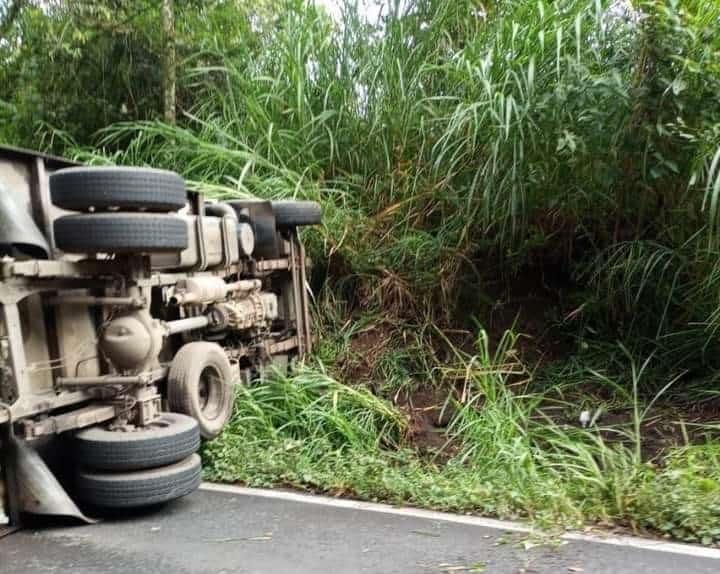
17	228
37	490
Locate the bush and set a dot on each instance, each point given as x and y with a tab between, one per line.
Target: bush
683	498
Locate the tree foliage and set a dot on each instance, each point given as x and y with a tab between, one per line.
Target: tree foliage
70	68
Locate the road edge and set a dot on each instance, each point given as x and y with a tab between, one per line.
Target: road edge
495	524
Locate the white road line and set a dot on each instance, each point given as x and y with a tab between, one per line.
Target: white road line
504	525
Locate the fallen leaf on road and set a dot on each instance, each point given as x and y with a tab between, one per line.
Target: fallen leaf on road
255	538
250	539
422	533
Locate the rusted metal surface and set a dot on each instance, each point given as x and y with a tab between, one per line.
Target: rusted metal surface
188	324
137	302
40	197
77	419
109	380
62	269
303	287
170	278
29	156
40	404
16	352
273	264
297	295
283	346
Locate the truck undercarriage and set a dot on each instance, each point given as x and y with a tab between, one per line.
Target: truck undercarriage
130	309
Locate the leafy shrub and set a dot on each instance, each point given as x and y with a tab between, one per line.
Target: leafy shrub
683	498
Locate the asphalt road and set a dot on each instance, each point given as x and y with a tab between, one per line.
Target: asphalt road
245	532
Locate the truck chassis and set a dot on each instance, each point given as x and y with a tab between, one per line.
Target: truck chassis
122	345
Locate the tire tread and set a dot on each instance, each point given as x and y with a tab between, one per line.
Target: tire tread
120	233
139	488
289	213
106	450
126	188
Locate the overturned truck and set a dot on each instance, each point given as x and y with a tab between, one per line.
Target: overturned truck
131	308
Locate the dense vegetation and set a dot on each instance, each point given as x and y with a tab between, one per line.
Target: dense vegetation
521	225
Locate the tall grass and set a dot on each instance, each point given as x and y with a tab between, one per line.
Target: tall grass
458	133
453	145
509	453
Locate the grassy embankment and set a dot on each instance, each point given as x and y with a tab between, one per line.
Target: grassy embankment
520	225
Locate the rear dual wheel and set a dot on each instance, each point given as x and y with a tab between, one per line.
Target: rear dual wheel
141	487
138	467
113	195
169	438
120	233
106	188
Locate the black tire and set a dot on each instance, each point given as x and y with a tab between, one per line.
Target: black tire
196	366
139	488
169	438
296	213
123	188
259	214
120	233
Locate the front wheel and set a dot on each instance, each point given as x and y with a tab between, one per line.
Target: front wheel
200	385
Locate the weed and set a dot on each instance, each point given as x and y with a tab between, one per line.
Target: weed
509	457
